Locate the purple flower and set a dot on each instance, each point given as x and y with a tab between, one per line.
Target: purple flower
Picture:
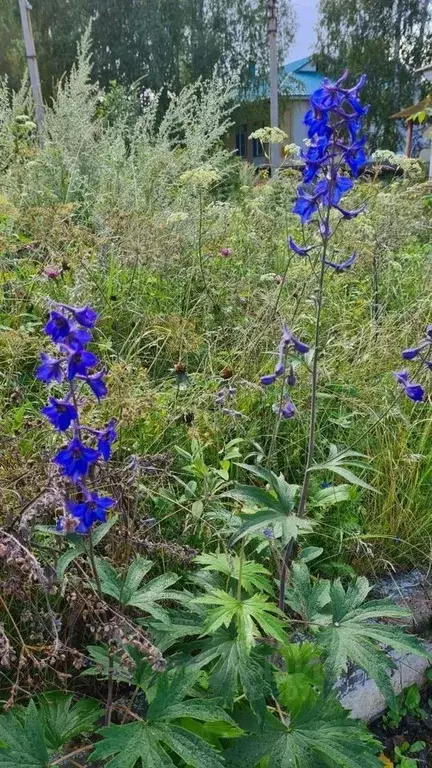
287	410
344	266
57	326
96	384
268	379
410	354
291	379
350	214
225	251
76	459
49	370
84	315
355	156
79	361
77	338
332	192
93	509
413	391
289	338
268	533
305	206
106	437
300	250
60	413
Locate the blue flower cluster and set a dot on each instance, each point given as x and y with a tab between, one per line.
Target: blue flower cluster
420	352
286	408
68	327
335	152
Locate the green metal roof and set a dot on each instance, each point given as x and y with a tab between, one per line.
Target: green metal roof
294	82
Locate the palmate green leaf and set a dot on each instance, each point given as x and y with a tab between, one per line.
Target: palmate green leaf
22	742
62	721
334	494
233	670
338	461
145	743
306	597
177	626
351	636
319	736
284	527
253	574
253	617
302	680
128	591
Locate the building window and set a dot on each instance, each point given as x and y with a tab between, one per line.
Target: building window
241	141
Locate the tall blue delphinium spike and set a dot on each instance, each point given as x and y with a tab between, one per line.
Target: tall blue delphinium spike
332	160
68	327
335	155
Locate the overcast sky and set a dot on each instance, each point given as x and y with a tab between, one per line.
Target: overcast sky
306	11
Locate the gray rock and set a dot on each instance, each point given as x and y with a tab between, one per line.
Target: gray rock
361	695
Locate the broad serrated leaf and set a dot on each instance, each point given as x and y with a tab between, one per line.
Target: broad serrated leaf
334	494
129	592
307	597
144	743
352	636
22	742
318	736
302	680
284	527
62	721
253	574
252	617
233	670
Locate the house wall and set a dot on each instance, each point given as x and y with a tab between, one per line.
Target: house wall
290	120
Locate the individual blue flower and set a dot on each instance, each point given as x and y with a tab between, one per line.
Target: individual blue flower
412	390
350	214
60	413
57	326
344	266
96	383
289	338
106	438
305	205
76	459
268	379
279	368
410	354
50	369
268	533
300	250
287	410
355	156
331	192
86	316
77	338
79	362
90	511
317	123
291	379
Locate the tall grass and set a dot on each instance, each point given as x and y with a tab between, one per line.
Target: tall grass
108	203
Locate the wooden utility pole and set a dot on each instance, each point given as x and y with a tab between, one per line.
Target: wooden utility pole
274	110
32	64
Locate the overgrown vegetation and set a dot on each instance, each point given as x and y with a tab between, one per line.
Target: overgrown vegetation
171	627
